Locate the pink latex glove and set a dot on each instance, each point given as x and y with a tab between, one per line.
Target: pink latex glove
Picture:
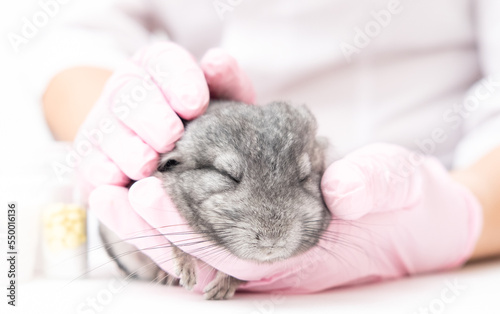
139	113
408	219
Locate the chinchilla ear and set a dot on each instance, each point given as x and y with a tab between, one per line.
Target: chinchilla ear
319	143
317	158
308	116
169	161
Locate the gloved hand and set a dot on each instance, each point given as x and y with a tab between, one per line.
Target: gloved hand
395	213
139	112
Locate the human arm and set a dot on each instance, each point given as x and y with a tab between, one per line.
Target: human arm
477	157
483	179
395	213
69	98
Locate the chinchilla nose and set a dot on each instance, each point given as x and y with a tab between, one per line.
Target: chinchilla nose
271	241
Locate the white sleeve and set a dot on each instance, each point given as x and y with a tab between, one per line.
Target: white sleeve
479	116
87	33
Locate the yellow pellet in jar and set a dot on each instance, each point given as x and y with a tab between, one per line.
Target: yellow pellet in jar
64	226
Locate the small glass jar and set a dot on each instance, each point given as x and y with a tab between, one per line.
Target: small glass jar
64	220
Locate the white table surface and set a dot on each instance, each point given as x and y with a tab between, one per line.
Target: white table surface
48	296
480	294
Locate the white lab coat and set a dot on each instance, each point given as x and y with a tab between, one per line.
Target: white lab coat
370	70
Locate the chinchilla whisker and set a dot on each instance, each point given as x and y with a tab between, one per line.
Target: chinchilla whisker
160	227
314	220
113	259
159	277
356	223
346	238
160	262
211	270
190	243
138	270
233	225
166	279
335	239
310	257
350	245
204	248
156	247
337	232
154	264
108	244
208	250
214	252
338	238
222	257
368	238
335	255
314	233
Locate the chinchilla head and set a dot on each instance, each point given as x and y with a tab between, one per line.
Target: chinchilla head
248	177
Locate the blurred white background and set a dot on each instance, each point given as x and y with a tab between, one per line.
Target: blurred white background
22	128
23	133
19	112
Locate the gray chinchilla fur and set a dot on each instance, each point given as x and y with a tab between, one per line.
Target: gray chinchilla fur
248	178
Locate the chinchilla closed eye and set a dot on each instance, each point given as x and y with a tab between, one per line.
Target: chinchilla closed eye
248	177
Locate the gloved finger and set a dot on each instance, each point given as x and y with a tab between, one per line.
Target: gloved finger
134	157
97	169
111	206
140	105
93	165
376	178
102	131
178	76
225	78
149	200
